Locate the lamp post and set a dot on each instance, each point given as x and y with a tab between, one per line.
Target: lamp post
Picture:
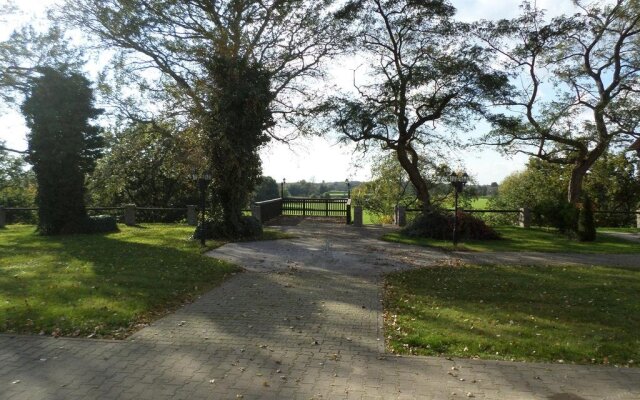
203	181
457	181
348	188
284	181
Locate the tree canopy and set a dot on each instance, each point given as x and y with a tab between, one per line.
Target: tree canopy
588	66
423	76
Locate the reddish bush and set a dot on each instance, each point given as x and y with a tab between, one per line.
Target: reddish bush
438	225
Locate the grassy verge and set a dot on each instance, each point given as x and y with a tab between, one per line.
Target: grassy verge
100	285
519	239
574	315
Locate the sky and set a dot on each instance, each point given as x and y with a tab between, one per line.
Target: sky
322	159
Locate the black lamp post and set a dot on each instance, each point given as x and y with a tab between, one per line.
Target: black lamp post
284	181
203	181
457	181
348	188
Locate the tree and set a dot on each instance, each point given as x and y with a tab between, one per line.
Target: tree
589	63
201	49
388	188
147	165
17	186
63	147
424	76
267	189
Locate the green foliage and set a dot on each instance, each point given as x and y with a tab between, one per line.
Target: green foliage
17	185
584	315
63	147
102	224
438	225
267	189
249	228
613	185
388	188
586	223
148	165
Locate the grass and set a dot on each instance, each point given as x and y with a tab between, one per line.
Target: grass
583	315
624	230
103	285
519	239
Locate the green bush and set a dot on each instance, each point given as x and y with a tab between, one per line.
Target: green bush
102	224
250	228
438	225
586	223
558	214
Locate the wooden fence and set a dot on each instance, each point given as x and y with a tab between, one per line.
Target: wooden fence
303	207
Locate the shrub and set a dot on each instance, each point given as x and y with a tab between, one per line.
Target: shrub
102	224
250	228
438	225
558	214
586	223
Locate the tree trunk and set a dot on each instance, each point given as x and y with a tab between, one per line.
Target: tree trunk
575	182
419	183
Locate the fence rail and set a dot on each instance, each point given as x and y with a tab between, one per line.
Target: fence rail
129	214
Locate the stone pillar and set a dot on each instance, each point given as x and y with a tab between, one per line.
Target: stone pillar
524	218
357	216
3	217
130	214
256	212
638	218
400	216
192	215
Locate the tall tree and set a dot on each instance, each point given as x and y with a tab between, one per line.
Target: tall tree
422	76
63	147
588	66
202	47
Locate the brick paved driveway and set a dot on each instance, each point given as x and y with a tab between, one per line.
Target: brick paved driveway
303	322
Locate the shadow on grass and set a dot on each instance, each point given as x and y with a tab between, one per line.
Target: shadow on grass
103	283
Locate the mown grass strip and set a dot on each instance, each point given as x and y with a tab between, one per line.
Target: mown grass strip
583	315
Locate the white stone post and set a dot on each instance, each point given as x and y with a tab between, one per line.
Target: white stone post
638	218
525	217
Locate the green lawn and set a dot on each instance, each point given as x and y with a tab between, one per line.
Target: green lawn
519	239
579	315
102	285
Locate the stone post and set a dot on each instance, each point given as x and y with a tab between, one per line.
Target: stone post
638	218
256	212
400	216
192	215
357	216
524	218
130	214
3	217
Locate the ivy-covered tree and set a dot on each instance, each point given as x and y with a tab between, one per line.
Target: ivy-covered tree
63	147
271	50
